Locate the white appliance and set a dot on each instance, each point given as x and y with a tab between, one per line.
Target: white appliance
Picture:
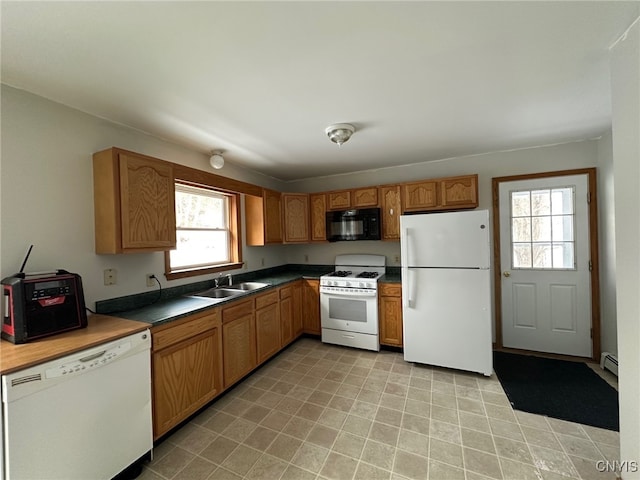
446	290
349	301
83	416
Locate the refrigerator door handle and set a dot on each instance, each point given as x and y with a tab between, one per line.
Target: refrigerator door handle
407	290
404	247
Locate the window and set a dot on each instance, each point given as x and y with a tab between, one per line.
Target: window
542	229
206	232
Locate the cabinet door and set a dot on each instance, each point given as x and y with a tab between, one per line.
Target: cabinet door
185	377
298	327
267	332
364	197
390	314
286	315
238	345
390	212
296	217
311	306
147	210
339	200
272	216
417	196
459	192
318	207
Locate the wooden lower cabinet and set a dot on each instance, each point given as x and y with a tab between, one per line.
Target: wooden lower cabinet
311	306
238	340
267	326
187	368
286	315
297	324
390	314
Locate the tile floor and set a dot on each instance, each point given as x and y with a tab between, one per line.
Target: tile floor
318	411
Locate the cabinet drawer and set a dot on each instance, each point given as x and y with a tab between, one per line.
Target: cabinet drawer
170	334
237	310
266	299
286	292
391	289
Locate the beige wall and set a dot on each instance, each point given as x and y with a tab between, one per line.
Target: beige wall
47	194
625	88
607	244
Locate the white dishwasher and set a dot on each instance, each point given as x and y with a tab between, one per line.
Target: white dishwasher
85	416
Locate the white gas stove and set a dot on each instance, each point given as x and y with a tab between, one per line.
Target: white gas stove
349	301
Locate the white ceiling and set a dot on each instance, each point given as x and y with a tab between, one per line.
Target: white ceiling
261	80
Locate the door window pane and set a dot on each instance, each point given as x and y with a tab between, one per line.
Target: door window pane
542	228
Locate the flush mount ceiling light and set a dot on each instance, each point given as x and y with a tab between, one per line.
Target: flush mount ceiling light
340	132
216	160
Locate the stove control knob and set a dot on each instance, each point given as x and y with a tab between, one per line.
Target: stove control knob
362	285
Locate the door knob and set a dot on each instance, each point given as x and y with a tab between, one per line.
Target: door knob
507	274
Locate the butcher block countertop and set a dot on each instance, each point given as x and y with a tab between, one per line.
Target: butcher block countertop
101	329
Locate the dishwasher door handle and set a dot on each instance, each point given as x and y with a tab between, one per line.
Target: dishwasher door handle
93	357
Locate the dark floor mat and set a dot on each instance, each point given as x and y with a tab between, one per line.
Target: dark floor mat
558	389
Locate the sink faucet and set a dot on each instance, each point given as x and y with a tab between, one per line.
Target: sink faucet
217	279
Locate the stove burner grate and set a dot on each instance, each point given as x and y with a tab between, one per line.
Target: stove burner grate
368	275
340	273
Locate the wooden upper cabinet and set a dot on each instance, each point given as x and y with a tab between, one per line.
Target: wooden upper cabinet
134	202
364	197
459	192
296	217
264	218
390	212
356	198
339	200
318	214
418	196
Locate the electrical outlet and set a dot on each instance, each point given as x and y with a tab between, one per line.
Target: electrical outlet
396	259
110	276
151	280
262	262
306	259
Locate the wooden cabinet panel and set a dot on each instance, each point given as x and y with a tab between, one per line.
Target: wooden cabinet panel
238	348
390	314
459	192
339	200
267	331
134	202
296	217
390	212
311	306
318	213
417	196
297	324
267	298
186	369
237	309
264	218
364	197
286	315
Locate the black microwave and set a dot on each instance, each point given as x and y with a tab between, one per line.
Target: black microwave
363	224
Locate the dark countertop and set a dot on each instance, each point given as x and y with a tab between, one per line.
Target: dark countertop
391	277
183	305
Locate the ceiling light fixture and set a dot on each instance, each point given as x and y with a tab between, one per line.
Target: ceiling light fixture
216	160
340	132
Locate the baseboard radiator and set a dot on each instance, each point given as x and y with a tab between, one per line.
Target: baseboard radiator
608	361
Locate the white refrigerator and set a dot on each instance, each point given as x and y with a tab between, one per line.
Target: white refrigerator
446	290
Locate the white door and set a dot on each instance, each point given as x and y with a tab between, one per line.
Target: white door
544	256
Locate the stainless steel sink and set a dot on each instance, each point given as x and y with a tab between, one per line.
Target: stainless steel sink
248	286
217	293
